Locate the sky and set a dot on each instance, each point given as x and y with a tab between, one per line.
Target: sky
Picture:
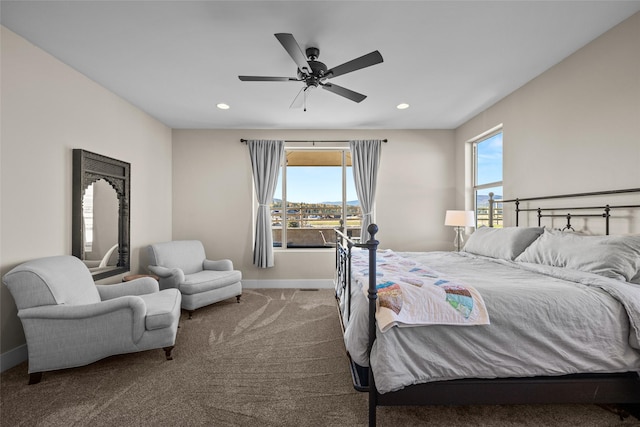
490	159
316	184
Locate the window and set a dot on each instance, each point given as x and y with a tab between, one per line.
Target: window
487	161
315	194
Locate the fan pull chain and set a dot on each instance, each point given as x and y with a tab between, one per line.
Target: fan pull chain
305	99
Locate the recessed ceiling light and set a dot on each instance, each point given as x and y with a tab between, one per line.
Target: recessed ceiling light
223	106
402	106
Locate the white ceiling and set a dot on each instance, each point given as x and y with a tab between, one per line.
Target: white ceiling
177	59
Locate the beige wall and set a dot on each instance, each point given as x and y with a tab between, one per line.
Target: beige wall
213	197
575	128
47	110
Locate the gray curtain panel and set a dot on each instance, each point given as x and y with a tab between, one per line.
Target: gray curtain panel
266	157
365	158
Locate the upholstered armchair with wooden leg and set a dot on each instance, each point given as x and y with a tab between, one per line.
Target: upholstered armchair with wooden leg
182	264
70	321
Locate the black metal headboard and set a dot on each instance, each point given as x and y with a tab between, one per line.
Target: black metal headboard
548	212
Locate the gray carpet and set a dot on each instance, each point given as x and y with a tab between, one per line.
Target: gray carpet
275	359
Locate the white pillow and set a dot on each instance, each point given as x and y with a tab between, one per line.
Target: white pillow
503	243
617	257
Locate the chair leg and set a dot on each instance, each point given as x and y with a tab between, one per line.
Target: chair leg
167	352
190	313
35	377
238	298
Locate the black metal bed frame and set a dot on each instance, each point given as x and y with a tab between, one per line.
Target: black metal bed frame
606	209
619	389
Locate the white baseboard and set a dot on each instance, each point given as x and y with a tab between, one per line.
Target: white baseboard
13	357
19	354
288	284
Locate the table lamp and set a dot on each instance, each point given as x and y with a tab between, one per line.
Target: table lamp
459	220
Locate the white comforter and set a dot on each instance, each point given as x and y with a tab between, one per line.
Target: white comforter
544	321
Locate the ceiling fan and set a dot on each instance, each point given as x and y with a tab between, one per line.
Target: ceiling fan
314	73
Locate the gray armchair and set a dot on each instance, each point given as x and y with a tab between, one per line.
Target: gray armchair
70	321
182	264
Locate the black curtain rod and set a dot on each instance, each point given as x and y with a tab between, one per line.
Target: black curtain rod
244	141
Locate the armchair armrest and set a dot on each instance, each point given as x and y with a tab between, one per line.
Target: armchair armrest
135	303
169	277
220	265
141	286
81	316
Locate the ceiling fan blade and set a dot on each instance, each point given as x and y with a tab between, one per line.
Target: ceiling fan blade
347	93
267	79
364	61
295	52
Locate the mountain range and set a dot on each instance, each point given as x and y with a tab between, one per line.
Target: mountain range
349	203
483	200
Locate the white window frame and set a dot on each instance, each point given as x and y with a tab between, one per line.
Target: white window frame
474	167
284	220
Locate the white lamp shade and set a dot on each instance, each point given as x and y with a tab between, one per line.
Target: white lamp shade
460	218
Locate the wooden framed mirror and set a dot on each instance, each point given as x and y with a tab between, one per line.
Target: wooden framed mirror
100	213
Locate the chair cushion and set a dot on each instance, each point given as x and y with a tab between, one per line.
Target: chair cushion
163	308
207	280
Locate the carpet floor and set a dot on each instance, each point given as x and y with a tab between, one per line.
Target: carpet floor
275	359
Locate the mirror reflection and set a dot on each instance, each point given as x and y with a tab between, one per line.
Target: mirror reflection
100	226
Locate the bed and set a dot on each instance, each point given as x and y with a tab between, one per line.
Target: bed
557	314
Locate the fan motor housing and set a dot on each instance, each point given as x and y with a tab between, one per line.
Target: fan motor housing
318	69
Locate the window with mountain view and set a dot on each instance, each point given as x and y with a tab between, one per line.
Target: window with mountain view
487	155
315	194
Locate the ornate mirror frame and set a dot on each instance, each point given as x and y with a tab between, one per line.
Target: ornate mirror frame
88	168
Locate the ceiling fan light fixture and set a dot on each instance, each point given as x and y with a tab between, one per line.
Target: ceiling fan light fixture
223	106
402	106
